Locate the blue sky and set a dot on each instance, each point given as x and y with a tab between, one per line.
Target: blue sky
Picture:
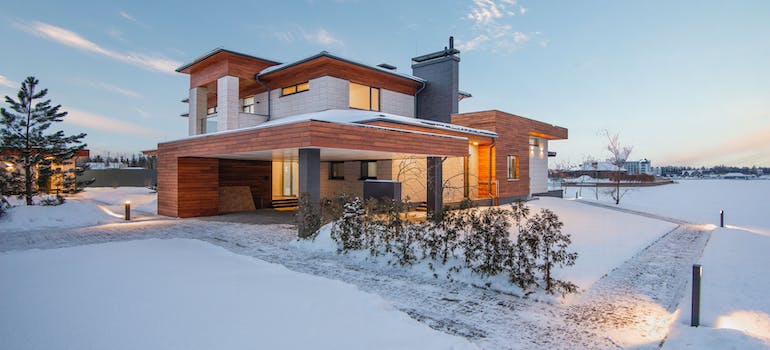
684	82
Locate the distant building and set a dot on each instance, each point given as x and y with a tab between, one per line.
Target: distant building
637	167
736	176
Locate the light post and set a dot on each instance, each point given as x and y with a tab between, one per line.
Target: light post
721	218
697	271
128	210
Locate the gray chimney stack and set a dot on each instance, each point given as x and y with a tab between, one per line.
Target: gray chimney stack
438	100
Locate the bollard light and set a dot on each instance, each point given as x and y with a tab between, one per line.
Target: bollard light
721	218
128	210
697	271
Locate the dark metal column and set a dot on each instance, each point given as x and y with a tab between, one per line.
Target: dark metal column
435	186
310	173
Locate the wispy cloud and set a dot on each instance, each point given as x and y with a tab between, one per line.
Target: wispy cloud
323	37
108	124
127	16
69	38
114	88
491	26
8	82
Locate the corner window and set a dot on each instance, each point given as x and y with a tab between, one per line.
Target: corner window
368	169
513	168
208	125
364	97
337	170
291	90
247	105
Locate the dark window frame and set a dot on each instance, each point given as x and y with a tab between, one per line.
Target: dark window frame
296	88
514	167
379	98
331	171
365	170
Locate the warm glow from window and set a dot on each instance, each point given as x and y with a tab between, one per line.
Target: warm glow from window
368	169
513	168
337	170
290	90
364	97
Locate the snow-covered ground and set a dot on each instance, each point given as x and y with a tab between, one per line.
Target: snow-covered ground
735	307
93	206
697	201
188	294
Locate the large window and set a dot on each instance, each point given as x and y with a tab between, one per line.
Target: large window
247	105
368	169
208	125
337	170
290	90
364	97
513	168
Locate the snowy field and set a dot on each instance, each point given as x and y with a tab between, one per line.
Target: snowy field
699	201
94	206
187	294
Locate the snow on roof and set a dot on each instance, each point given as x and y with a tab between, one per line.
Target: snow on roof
357	118
330	55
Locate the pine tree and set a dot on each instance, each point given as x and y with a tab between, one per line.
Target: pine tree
24	130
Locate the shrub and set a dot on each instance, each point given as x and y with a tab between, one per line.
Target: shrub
52	200
348	231
307	217
487	244
551	250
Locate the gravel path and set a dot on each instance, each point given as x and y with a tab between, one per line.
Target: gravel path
631	306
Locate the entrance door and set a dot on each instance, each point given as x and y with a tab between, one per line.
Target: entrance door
289	178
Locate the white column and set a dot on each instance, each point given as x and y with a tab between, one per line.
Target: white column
197	109
228	104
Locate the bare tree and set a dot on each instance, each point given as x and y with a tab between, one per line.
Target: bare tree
618	157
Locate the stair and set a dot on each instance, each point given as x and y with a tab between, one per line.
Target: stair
285	203
421	206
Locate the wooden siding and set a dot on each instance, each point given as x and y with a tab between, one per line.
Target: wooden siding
188	173
513	139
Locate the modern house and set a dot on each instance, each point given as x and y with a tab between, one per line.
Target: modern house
261	132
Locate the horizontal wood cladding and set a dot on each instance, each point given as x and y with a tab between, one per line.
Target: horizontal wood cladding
225	63
197	187
327	66
257	175
489	120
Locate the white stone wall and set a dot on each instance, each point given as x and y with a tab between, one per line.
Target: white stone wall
538	167
396	103
324	93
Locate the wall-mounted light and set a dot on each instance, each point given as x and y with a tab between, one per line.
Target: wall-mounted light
475	143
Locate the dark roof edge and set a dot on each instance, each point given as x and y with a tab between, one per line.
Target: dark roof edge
327	54
218	50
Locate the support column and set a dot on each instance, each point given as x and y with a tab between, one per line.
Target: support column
197	104
310	173
228	106
435	186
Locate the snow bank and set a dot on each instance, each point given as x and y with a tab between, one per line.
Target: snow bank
698	201
735	309
187	294
142	198
73	213
602	238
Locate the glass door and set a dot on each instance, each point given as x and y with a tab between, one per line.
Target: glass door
289	178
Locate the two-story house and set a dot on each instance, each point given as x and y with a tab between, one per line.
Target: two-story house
262	132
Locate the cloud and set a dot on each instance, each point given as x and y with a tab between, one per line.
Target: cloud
108	124
491	29
127	16
287	37
323	37
69	38
8	83
115	89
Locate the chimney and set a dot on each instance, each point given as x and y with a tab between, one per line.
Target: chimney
438	100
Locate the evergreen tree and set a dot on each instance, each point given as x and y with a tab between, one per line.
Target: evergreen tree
24	130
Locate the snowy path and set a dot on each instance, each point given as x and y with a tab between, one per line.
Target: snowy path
604	317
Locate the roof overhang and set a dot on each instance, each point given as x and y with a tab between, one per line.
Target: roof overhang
218	52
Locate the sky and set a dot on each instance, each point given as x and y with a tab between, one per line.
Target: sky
683	82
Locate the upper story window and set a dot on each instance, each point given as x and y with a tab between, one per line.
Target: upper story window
247	105
534	141
290	90
364	97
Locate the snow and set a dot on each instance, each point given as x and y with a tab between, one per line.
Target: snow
73	213
601	244
93	206
698	201
179	293
142	199
735	309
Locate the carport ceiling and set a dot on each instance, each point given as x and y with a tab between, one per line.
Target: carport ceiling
327	154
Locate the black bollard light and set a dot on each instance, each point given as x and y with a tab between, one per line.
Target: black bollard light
721	218
697	270
128	210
